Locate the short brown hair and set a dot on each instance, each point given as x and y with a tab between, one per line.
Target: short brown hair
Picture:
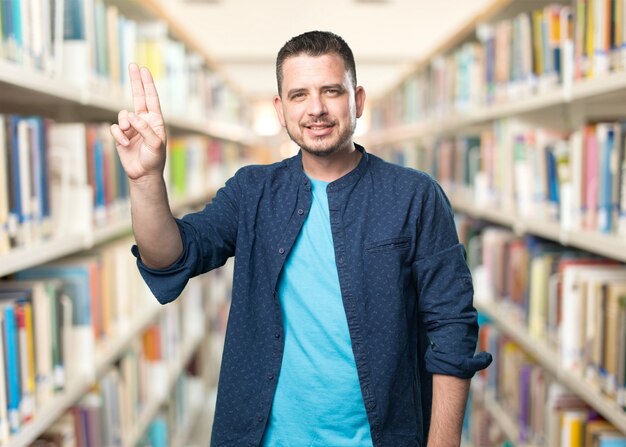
316	43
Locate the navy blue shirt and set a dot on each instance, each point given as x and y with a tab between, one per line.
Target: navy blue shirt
405	286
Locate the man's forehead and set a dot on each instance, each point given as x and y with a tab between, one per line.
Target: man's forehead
323	64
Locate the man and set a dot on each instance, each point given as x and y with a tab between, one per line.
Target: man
350	287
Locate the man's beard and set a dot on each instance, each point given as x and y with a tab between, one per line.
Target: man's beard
342	140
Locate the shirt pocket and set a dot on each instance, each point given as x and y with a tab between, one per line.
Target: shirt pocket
391	244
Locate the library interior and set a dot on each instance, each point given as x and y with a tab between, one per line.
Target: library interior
516	108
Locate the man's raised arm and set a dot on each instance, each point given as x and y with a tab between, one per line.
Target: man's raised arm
141	144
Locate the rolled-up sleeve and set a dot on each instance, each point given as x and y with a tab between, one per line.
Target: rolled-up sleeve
445	292
208	239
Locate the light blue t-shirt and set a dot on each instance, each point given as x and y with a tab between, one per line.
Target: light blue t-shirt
318	399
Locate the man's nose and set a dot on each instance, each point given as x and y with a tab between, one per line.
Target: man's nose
316	106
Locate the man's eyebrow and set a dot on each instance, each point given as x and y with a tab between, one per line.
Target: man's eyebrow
295	90
334	86
339	87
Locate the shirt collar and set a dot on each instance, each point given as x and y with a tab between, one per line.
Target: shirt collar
349	179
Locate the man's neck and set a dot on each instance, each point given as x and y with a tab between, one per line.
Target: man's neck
329	168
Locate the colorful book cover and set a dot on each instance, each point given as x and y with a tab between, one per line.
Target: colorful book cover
23	314
73	20
4	187
12	365
4	418
605	200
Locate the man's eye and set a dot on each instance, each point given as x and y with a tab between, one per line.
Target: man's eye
332	92
297	96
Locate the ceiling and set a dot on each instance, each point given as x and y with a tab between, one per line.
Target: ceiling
387	36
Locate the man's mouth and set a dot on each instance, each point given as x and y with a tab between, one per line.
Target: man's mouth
319	129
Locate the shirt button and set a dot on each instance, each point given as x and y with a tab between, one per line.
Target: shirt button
277	335
270	377
259	418
301	211
281	250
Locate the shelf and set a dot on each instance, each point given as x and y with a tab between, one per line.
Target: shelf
503	420
51	249
13	75
603	244
183	437
107	353
119	227
608	245
502	317
24	90
39	253
221	130
150	410
588	91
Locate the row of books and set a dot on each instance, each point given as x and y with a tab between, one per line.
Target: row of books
578	180
110	412
54	177
61	179
55	317
513	58
90	43
572	301
27	31
542	412
198	165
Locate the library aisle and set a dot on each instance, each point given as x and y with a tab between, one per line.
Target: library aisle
517	108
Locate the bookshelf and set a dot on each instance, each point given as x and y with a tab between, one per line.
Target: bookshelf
91	93
609	91
601	244
150	410
503	420
476	84
549	359
107	354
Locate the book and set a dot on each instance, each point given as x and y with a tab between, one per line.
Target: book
574	326
43	296
76	277
4	417
4	187
12	366
24	318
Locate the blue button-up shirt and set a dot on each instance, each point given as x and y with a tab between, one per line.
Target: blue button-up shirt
405	285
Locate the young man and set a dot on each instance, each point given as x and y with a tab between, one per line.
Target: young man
350	287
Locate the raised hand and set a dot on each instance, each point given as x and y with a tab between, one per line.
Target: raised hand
140	135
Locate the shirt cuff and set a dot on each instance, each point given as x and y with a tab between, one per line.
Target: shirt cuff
168	283
453	365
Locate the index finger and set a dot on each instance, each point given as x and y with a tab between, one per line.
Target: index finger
150	91
137	87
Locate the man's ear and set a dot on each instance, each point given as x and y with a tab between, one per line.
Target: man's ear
359	96
278	105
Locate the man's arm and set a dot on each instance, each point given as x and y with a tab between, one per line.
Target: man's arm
141	143
448	409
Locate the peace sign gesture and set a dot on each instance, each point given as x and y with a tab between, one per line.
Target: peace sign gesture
140	136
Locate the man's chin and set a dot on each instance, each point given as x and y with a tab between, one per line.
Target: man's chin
319	151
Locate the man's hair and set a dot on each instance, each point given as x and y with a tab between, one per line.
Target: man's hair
316	43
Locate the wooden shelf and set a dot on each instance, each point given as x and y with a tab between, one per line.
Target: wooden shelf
501	315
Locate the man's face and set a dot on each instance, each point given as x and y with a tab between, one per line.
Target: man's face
318	104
